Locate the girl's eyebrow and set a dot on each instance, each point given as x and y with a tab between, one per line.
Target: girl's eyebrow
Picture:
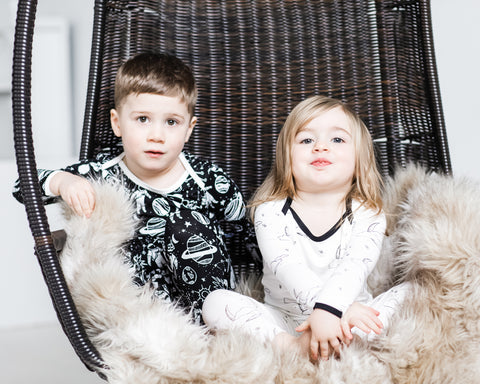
333	129
304	129
342	130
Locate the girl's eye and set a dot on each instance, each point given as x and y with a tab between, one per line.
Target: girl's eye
337	140
142	119
306	141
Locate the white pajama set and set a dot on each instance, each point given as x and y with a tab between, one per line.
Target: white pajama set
301	270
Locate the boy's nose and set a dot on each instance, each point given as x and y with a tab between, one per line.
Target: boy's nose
156	133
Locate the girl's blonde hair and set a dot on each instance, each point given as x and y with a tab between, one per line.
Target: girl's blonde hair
280	184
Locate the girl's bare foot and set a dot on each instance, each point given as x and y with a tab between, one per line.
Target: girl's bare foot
301	344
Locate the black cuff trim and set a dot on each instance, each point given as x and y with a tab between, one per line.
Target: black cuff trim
328	308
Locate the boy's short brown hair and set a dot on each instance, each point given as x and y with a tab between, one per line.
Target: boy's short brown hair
156	73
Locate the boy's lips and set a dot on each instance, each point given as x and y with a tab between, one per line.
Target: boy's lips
153	153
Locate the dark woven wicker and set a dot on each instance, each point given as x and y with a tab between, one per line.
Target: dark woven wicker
253	61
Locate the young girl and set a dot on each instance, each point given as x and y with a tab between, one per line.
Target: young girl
319	224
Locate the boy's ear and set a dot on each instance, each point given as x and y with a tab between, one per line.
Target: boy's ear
193	121
114	121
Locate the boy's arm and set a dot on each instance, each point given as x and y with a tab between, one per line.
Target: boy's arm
230	210
53	186
75	190
43	177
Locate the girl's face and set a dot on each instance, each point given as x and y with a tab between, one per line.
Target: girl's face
323	154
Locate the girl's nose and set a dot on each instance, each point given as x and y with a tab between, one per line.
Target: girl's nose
320	146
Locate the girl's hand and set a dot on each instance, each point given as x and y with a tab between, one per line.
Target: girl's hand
326	332
362	317
76	191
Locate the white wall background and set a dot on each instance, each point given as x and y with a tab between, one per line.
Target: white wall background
59	78
24	298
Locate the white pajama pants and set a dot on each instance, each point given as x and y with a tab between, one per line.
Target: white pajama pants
224	309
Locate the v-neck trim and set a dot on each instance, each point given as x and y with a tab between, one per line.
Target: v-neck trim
346	215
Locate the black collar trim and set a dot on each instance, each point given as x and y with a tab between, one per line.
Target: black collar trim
347	215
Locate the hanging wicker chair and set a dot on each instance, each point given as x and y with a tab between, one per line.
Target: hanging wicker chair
253	61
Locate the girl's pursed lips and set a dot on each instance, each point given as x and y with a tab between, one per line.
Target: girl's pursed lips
321	162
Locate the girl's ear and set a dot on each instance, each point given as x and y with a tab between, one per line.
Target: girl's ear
115	122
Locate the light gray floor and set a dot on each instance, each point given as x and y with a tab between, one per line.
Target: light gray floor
41	355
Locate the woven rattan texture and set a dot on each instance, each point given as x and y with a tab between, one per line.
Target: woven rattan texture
254	60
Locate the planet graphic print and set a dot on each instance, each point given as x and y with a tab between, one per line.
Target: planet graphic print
235	209
161	207
200	218
199	250
222	184
189	275
155	225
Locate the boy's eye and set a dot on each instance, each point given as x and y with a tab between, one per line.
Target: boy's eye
171	122
142	119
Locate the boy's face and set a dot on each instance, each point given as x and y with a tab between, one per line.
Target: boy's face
154	129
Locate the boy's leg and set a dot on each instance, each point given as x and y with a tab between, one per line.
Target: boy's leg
196	258
146	255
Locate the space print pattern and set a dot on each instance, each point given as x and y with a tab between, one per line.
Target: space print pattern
179	246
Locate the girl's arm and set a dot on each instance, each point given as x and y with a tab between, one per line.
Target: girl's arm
345	284
360	316
361	255
326	332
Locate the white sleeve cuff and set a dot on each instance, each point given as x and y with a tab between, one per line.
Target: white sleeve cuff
46	185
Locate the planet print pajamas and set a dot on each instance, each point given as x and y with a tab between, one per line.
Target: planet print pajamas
179	247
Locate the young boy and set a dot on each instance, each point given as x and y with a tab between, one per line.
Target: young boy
180	199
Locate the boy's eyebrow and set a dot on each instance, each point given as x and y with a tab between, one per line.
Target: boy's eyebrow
141	111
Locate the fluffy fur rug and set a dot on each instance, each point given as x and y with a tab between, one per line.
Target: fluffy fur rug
433	242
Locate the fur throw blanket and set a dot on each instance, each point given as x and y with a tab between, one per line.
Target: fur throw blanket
433	242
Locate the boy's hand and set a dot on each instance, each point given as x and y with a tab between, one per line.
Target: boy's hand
76	191
326	332
362	317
